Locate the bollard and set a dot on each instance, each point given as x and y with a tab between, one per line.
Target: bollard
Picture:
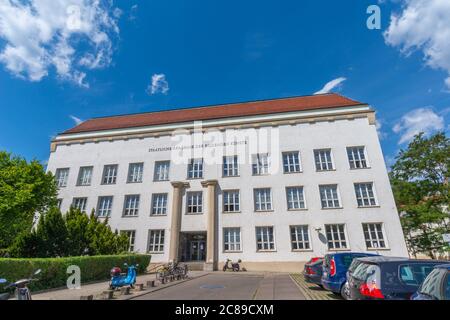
151	284
124	291
108	294
139	286
163	280
90	297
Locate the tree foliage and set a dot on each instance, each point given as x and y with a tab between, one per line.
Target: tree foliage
25	189
420	180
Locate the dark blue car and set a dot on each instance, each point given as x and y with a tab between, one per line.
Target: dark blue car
436	286
335	266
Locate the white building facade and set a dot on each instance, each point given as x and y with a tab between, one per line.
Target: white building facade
271	182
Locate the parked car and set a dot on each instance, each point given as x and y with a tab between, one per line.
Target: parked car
313	272
335	266
389	278
436	286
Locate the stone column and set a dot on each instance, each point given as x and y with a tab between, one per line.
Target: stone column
211	257
175	228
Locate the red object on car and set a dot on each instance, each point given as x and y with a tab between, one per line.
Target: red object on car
332	267
314	259
371	290
116	271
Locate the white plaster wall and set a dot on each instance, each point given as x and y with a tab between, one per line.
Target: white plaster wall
336	135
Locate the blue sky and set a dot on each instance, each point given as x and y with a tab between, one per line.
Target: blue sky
209	52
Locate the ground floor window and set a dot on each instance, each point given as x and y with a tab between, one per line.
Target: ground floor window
156	241
131	237
80	204
264	239
336	236
373	234
231	239
300	238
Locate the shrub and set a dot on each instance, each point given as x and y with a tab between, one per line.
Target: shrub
54	274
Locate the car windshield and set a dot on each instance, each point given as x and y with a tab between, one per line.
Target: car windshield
431	285
364	271
447	286
355	263
414	274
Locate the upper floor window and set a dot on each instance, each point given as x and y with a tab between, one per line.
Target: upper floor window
260	164
135	172
110	174
265	240
104	206
194	202
336	236
230	166
131	234
162	170
195	169
231	201
365	195
291	162
300	238
323	160
373	235
80	204
159	204
329	196
231	239
295	198
131	205
263	199
62	175
85	176
357	157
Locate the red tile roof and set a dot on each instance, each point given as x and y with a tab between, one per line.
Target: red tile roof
215	112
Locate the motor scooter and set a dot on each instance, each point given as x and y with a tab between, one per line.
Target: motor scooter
21	287
229	265
119	280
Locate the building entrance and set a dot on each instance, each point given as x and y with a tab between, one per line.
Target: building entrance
193	247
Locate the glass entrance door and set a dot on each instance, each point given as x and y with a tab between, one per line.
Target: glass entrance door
193	246
197	250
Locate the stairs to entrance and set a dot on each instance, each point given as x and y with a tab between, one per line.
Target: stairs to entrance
195	266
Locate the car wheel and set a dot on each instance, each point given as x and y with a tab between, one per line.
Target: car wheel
345	292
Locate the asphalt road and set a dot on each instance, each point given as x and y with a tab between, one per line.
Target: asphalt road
229	286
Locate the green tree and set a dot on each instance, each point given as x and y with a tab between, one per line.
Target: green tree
77	224
53	232
25	189
420	181
27	245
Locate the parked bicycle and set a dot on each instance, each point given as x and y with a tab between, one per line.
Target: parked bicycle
172	269
20	287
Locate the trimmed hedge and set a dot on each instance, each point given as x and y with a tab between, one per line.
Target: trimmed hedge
54	270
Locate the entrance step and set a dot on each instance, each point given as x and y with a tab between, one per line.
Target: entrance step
195	266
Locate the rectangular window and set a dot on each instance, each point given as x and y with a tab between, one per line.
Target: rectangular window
263	199
265	239
260	164
365	195
131	234
231	239
373	234
329	196
336	236
62	175
323	160
230	166
80	204
110	174
357	157
300	238
231	201
159	204
195	169
131	205
135	172
85	176
162	171
295	198
291	162
156	241
104	206
194	202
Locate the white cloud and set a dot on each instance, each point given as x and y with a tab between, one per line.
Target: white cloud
331	85
77	120
159	84
416	121
133	12
43	35
379	124
423	25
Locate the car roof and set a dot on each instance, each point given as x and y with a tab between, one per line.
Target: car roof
353	254
444	266
384	259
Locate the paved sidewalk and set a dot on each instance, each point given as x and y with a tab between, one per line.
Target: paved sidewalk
312	291
278	287
96	289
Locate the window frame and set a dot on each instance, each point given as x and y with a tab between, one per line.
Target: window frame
375	198
269	242
286	153
66	177
338	194
98	206
140	173
194	168
154	213
80	170
136	208
347	241
229	191
160	244
333	166
132	239
255	190
234	243
104	174
366	160
305	207
233	167
85	203
191	193
261	168
166	171
309	242
383	233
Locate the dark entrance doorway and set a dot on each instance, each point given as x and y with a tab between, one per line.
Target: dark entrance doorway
193	246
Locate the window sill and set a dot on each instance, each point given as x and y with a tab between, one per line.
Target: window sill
265	251
231	212
123	216
378	249
83	185
199	178
355	169
331	170
157	252
232	251
293	172
261	175
302	250
301	209
336	208
131	182
368	207
161	180
238	176
195	214
339	250
158	215
262	211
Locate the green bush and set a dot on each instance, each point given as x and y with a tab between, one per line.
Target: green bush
54	270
